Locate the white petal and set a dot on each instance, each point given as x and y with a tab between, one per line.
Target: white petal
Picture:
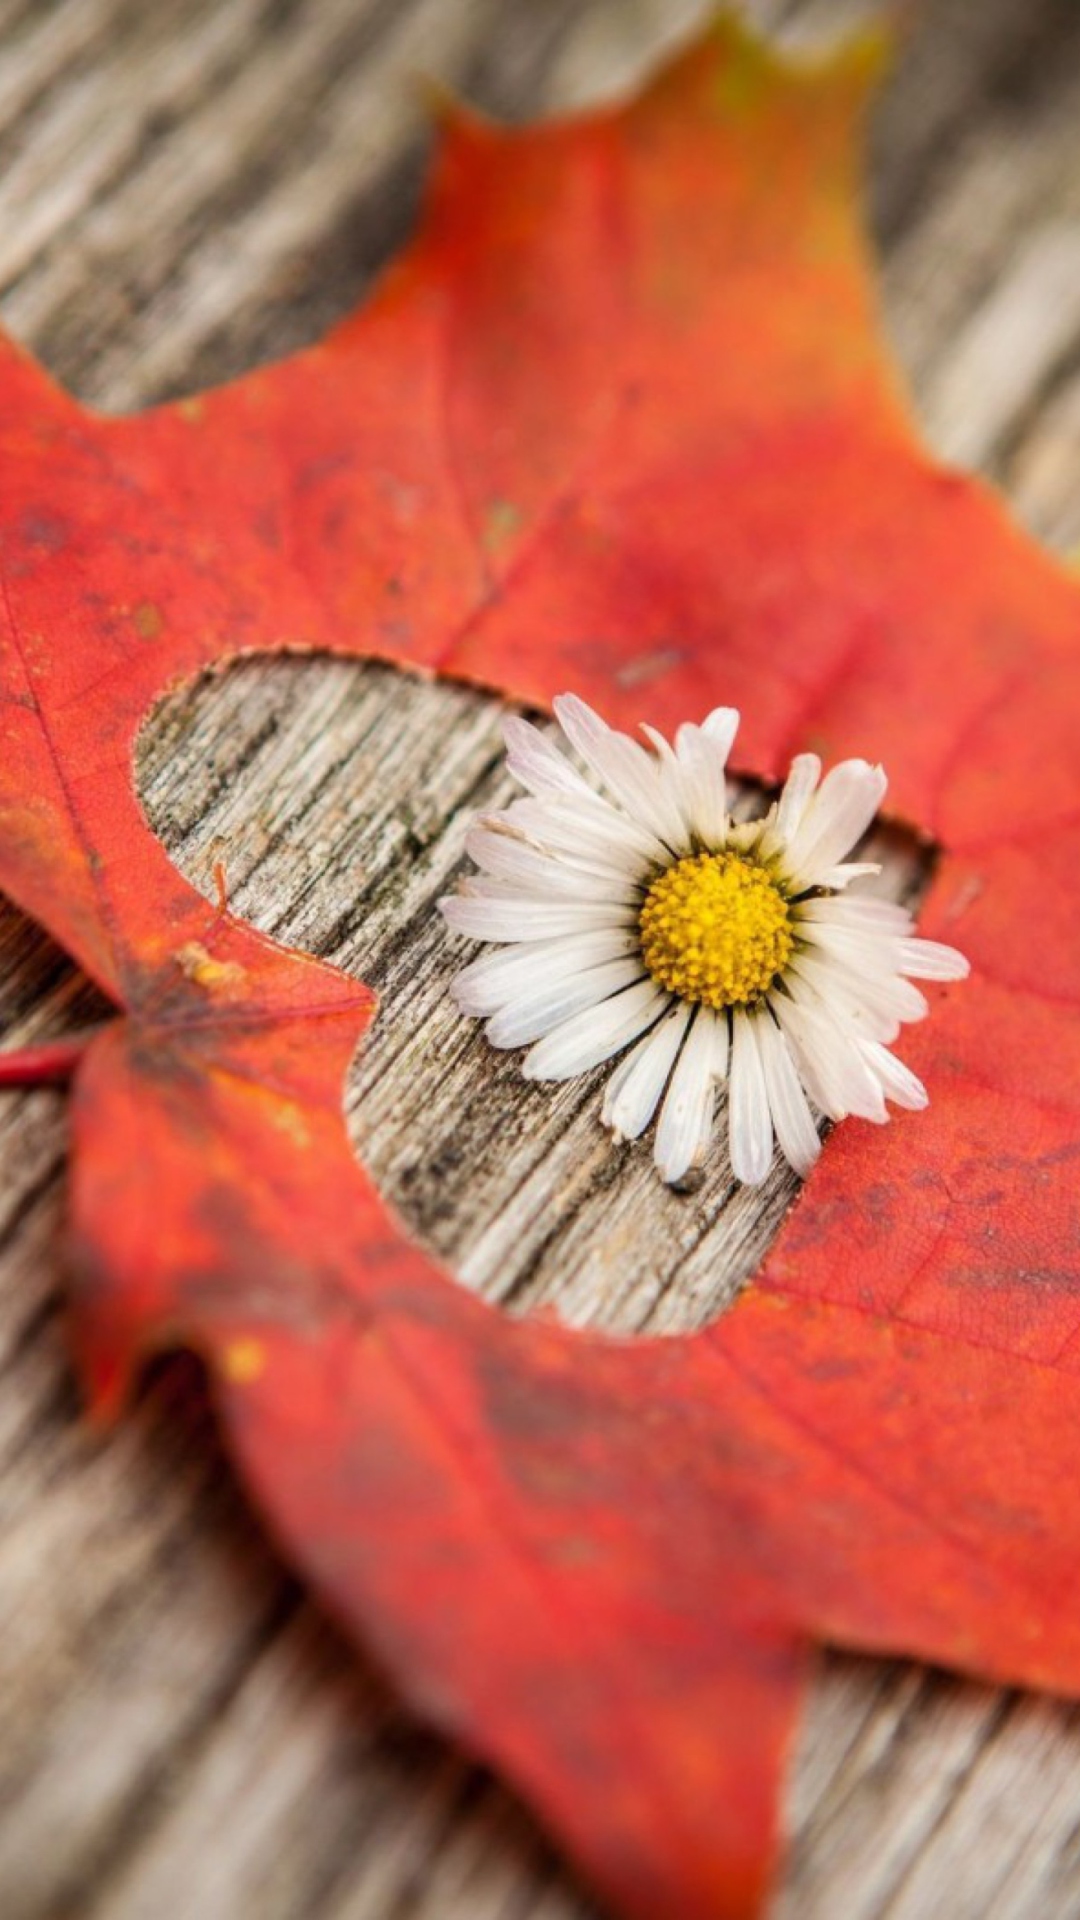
635	1086
626	769
803	776
898	1081
868	946
876	1000
501	920
849	870
836	817
536	761
750	1121
832	1067
875	954
858	910
804	1039
721	725
860	955
795	1130
686	1115
586	1039
693	772
827	996
506	856
494	979
675	788
702	753
930	960
589	826
530	1016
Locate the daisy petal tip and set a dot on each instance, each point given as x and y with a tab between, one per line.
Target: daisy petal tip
930	960
497	1041
869	770
871	773
955	965
804	1163
571	706
748	1173
672	1171
837	879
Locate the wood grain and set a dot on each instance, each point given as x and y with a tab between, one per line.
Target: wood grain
186	189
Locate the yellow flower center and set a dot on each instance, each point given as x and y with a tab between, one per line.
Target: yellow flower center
715	929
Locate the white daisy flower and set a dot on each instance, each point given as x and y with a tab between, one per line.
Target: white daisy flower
644	916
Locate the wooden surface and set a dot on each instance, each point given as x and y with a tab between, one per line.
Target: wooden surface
186	188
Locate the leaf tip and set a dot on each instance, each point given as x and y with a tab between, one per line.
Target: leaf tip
749	64
452	115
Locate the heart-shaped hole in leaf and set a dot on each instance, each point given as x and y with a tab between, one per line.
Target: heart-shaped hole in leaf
335	796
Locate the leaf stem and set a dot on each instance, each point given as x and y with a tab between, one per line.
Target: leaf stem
49	1065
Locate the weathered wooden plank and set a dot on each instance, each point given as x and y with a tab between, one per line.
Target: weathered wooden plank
1040	471
186	188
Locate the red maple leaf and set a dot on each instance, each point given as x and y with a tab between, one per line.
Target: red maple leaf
618	419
